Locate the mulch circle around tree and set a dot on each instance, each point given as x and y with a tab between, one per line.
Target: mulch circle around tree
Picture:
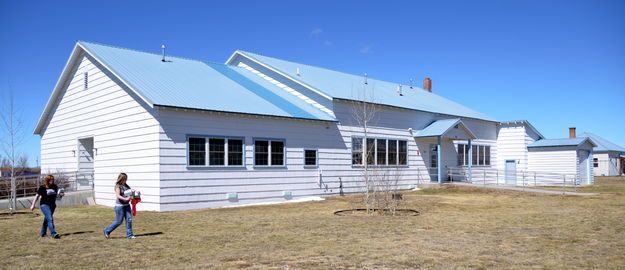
377	212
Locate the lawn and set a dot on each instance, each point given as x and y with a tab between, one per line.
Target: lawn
458	228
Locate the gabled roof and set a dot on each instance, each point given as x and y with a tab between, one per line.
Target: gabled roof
603	144
339	85
442	127
561	142
527	124
186	83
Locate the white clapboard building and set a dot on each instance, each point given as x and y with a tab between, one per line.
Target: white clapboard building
194	134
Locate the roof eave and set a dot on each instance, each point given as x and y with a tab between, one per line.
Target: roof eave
243	113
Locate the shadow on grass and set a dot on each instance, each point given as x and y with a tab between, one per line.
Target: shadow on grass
74	233
148	234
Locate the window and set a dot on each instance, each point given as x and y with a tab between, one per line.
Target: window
433	155
269	153
480	155
277	153
216	152
403	152
310	157
221	151
380	152
235	152
197	151
357	151
261	153
595	162
392	152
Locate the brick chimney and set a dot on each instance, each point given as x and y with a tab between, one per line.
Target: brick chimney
571	132
427	84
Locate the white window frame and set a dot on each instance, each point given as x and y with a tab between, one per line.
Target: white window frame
375	153
269	159
207	151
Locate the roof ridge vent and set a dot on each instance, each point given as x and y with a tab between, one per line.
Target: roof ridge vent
163	53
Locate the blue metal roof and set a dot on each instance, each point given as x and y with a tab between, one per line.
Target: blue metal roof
186	83
343	86
561	142
603	144
441	127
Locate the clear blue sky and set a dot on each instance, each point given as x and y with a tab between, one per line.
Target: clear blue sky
557	64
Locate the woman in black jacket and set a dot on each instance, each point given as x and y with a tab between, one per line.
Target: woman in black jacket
48	193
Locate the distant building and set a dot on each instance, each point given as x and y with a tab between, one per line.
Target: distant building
608	159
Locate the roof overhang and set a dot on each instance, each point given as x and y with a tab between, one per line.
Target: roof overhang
445	128
561	143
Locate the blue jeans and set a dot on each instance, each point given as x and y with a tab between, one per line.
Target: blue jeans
121	212
48	219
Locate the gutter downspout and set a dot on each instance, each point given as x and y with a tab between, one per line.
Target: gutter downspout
438	161
470	162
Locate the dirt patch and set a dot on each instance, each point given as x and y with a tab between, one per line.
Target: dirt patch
377	212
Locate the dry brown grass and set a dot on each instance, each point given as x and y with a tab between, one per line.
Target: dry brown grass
458	228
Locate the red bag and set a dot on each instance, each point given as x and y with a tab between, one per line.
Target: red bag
134	203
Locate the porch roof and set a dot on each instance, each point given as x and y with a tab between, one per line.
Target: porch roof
443	127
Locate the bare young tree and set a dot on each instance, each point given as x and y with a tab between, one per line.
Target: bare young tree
12	138
364	111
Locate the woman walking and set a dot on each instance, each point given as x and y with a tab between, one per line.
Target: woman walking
123	195
48	193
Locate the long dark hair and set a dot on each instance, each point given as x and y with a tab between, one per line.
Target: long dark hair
121	178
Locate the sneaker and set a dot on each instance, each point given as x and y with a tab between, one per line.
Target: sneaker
107	235
132	237
56	236
42	236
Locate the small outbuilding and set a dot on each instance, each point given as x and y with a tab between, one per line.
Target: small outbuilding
608	159
567	157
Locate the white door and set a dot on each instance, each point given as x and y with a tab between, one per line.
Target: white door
582	157
84	175
510	172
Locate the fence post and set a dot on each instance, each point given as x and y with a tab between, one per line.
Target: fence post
534	178
497	178
484	173
523	178
563	184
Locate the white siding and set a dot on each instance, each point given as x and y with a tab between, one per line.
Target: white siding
124	133
512	145
561	160
608	164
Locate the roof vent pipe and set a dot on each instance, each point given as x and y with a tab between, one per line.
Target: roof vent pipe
411	82
365	78
572	132
297	71
427	84
163	51
399	90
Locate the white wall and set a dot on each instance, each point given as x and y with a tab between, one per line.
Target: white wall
512	144
608	164
561	160
125	134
